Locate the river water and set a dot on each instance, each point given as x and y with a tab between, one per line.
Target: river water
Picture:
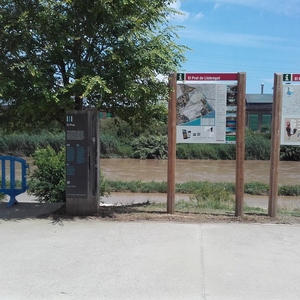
193	170
198	170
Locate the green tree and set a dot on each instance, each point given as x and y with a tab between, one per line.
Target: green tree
57	55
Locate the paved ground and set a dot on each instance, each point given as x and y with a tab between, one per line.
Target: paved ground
94	259
26	208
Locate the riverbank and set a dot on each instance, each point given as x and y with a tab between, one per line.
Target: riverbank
249	200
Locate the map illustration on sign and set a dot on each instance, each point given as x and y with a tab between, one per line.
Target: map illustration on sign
206	113
193	105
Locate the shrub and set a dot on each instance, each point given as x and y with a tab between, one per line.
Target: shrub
186	151
3	146
146	147
205	151
125	150
104	188
265	130
256	188
211	196
55	141
257	147
2	197
196	151
226	151
116	128
290	152
24	144
108	145
47	181
288	190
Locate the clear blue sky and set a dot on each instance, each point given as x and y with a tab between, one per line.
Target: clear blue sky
259	37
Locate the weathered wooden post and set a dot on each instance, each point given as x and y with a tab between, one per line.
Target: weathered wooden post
275	145
240	145
171	144
82	162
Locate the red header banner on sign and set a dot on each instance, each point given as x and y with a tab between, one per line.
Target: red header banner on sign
296	77
210	76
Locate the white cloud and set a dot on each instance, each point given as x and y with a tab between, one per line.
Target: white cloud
199	15
217	5
183	15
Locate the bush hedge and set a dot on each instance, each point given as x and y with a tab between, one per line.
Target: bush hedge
119	139
25	144
47	181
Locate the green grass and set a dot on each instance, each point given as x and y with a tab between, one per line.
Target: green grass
2	197
206	197
191	187
289	210
186	211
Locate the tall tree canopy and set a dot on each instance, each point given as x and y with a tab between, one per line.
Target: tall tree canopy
57	55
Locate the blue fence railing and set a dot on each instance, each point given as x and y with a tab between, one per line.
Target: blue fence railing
8	163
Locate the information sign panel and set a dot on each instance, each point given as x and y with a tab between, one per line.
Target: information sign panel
76	155
290	118
206	113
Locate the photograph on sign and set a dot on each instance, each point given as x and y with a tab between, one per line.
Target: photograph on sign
290	119
206	113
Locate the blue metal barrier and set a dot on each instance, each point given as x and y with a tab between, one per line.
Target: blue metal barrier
12	190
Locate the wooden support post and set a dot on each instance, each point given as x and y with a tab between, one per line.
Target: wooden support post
240	144
275	145
171	144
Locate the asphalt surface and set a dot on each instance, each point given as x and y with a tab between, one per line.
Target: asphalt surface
95	259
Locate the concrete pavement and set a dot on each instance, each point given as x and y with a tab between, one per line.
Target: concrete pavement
27	208
95	259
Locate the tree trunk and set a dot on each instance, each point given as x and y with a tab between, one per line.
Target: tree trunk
78	103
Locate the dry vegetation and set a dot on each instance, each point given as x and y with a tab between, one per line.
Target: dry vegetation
148	212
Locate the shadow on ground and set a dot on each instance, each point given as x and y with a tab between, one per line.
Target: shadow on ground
23	210
56	212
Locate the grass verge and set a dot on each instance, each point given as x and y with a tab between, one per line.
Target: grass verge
190	187
185	212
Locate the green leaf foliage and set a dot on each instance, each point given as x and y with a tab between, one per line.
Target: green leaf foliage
59	55
289	152
148	147
24	144
213	196
47	181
